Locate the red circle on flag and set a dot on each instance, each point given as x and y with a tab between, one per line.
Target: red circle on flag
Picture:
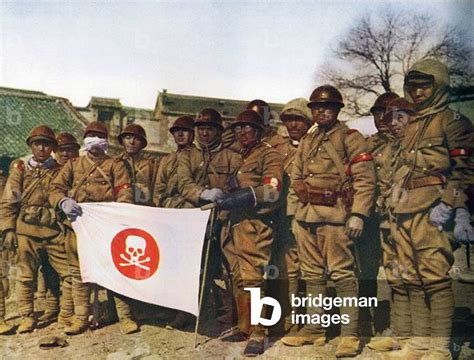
135	253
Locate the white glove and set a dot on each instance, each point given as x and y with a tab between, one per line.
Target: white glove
354	227
463	231
440	215
71	208
212	195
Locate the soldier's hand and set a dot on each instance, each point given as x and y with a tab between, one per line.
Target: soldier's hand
354	227
463	231
440	214
10	241
212	195
71	208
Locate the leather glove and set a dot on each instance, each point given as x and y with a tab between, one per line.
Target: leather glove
71	208
463	231
440	215
212	195
243	199
354	227
9	241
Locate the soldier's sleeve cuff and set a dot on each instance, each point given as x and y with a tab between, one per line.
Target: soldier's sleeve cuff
360	216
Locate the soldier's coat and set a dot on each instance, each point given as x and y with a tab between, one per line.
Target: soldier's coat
315	167
142	172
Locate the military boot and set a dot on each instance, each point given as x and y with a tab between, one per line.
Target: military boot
127	323
256	342
66	312
348	288
81	298
27	325
4	327
243	313
25	298
52	307
419	343
310	333
442	311
180	321
401	325
407	353
348	347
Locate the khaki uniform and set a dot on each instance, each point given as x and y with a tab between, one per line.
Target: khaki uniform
286	239
253	229
323	248
25	210
199	170
432	167
275	140
83	181
142	172
424	253
166	193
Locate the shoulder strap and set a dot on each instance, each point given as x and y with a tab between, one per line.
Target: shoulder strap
85	176
332	152
29	190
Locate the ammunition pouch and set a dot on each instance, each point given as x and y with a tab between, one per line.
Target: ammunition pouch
38	215
324	196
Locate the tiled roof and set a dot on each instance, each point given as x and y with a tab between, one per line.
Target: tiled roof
105	102
175	104
22	110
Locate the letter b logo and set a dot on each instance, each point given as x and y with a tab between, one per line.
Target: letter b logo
256	305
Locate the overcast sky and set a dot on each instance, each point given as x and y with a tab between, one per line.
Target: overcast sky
230	49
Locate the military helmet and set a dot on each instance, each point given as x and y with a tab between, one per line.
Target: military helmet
383	100
97	127
67	139
209	117
133	129
400	104
183	123
249	117
325	94
262	108
42	132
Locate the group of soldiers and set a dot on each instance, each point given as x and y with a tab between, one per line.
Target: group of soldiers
302	203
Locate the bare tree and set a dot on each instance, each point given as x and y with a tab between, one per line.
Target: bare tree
376	53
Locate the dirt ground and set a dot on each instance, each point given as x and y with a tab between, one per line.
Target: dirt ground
154	341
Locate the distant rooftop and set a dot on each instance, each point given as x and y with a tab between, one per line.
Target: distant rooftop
22	110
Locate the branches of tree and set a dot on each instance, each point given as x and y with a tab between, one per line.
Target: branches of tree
377	51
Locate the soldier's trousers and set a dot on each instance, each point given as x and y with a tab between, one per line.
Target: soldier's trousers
80	291
325	252
250	252
425	257
29	253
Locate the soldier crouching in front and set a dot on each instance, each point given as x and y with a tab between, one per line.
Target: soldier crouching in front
93	177
29	223
331	162
253	211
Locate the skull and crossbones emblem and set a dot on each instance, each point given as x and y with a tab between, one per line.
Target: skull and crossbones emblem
135	247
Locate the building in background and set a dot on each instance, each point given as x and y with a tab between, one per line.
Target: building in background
22	110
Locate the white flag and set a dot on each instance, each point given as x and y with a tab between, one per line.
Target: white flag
145	253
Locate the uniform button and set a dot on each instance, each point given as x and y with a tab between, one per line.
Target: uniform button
103	183
239	172
319	149
429	144
379	154
311	175
413	151
378	167
312	161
